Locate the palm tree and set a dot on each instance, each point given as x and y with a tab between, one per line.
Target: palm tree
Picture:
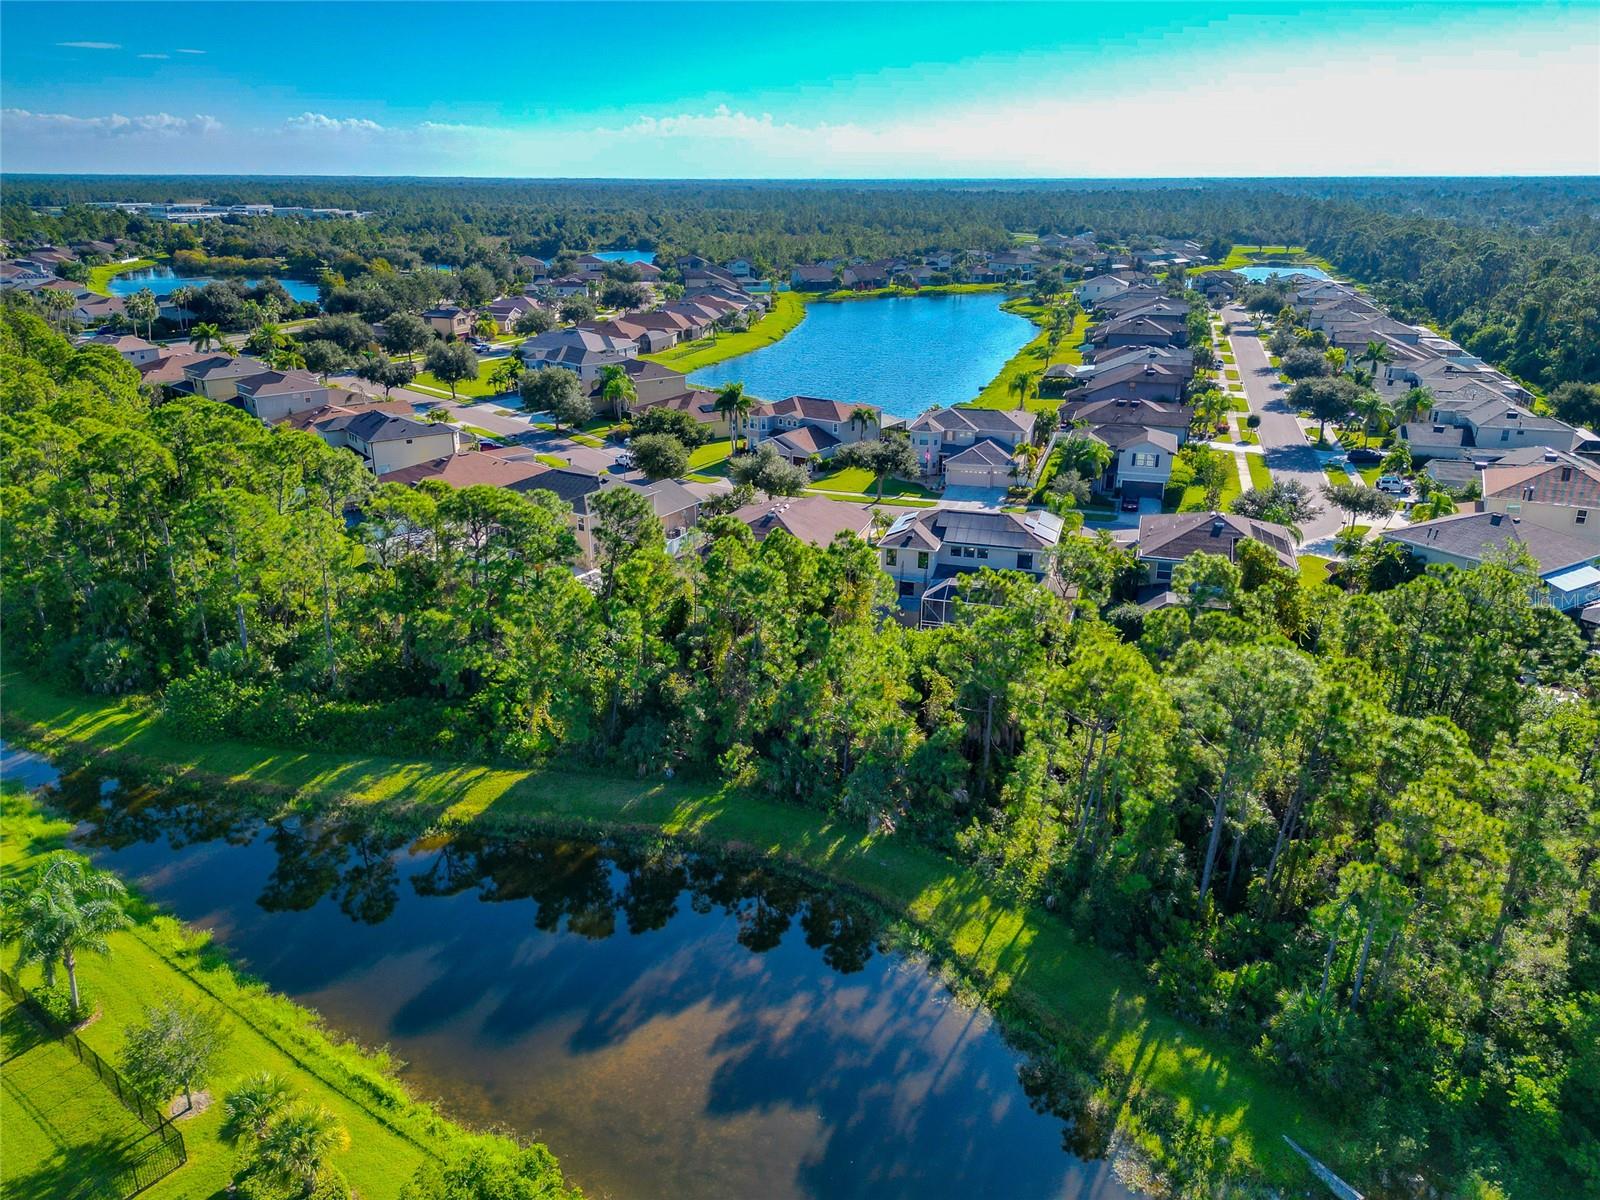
296	1147
254	1105
733	404
142	306
1376	353
183	297
865	416
507	374
65	908
1022	383
205	335
1439	503
1413	404
1373	411
617	390
56	304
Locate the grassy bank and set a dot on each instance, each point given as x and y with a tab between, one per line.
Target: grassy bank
66	1120
1261	256
100	277
1035	356
1024	961
787	311
891	293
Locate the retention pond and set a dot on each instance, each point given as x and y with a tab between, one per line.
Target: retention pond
672	1024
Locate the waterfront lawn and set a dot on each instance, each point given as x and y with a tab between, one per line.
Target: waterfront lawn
1023	959
787	311
99	281
158	959
713	452
1035	356
60	1125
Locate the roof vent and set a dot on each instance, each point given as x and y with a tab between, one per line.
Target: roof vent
1496	518
1551	456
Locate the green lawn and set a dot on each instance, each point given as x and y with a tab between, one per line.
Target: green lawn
1251	256
1260	477
1023	959
100	277
60	1125
787	311
892	293
390	1134
1035	357
468	389
712	452
1314	569
859	479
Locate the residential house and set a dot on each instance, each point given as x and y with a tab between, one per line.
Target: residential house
569	285
472	469
386	442
1141	331
650	340
26	276
816	278
740	268
942	433
1101	287
537	269
698	403
812	519
133	349
985	464
1559	491
507	311
271	396
926	551
449	321
652	383
1166	539
805	427
1134	379
1142	460
167	371
678	508
216	376
1564	560
584	351
96	310
1148	414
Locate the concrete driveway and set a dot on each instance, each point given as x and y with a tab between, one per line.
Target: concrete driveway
1287	453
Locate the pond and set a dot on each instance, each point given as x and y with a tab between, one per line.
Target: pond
643	256
163	281
904	354
673	1025
1256	274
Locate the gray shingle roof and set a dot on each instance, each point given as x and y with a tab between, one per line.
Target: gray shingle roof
1474	536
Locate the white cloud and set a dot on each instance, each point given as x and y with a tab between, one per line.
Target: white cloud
91	45
27	126
310	122
155	56
181	50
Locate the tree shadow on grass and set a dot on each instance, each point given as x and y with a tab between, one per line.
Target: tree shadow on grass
70	1167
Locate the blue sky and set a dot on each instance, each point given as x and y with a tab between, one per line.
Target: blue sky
801	90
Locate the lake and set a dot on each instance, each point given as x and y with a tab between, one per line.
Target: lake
644	256
904	354
1259	273
673	1025
163	281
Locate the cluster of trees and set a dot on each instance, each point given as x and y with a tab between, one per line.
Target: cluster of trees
1361	830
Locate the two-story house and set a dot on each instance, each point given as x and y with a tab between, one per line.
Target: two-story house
803	427
1564	560
271	396
923	552
134	350
449	322
1559	491
1166	539
584	351
385	441
942	433
217	377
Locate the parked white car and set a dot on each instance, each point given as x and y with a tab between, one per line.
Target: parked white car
1395	485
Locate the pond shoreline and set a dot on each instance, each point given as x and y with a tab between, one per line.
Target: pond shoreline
1154	1075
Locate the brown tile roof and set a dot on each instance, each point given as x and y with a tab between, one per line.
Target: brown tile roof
809	518
1567	480
469	470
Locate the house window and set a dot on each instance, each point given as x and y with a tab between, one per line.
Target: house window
907	588
1583	515
1146	460
1505	435
1024	562
922	558
982	552
891	557
1164	571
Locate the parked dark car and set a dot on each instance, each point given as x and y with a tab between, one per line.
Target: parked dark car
1363	454
1130	504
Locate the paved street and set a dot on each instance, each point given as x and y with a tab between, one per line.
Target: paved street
1288	454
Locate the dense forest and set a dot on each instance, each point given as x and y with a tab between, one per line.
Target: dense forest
1360	832
1510	268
